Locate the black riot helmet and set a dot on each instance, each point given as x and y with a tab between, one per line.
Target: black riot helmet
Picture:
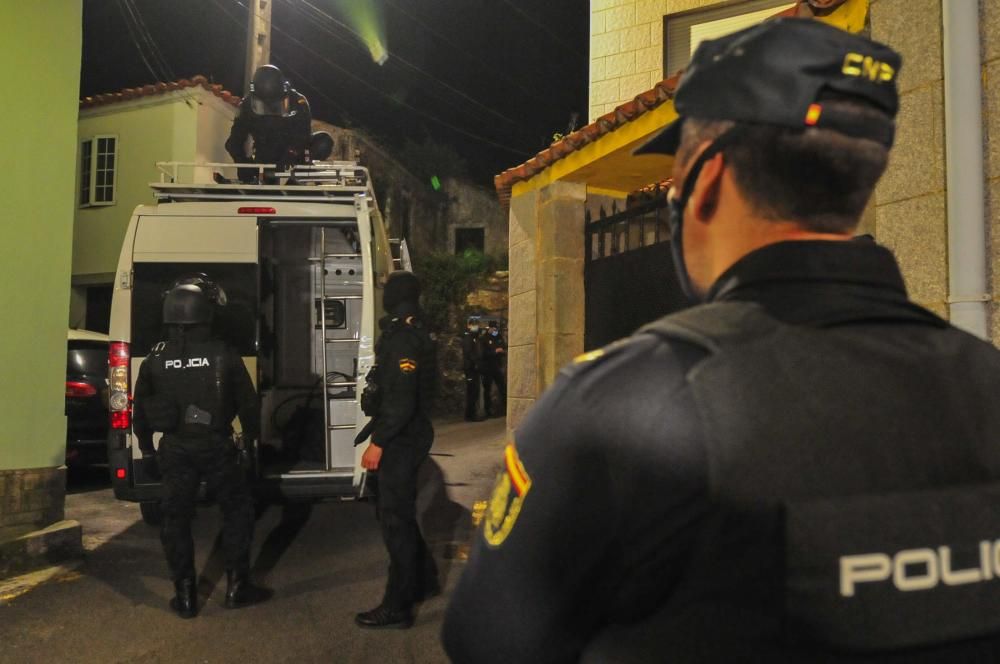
186	304
401	287
269	83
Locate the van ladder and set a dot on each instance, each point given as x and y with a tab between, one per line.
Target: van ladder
330	427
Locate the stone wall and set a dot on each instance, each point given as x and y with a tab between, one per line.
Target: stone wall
31	498
911	200
626	48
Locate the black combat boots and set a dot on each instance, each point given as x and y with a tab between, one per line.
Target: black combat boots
185	601
382	617
240	591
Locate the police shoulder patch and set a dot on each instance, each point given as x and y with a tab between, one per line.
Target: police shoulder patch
509	492
407	365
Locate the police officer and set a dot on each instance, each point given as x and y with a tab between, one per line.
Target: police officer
493	349
401	439
472	361
190	388
804	468
277	118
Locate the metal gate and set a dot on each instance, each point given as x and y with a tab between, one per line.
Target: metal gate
629	275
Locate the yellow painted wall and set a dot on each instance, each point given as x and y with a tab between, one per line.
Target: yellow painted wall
37	160
148	131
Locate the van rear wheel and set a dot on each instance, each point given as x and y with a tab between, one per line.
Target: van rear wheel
152	513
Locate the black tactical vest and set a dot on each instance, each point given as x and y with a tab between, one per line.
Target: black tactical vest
193	376
854	473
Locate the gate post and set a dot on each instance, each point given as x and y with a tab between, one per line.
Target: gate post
559	269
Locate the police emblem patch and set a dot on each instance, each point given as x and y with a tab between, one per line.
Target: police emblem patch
407	365
511	488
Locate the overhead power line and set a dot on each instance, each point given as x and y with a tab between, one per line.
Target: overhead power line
398	58
390	98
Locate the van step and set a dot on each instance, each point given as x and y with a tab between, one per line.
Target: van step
342	341
317	259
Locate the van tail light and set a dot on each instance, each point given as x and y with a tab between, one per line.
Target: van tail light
120	473
120	401
79	390
256	210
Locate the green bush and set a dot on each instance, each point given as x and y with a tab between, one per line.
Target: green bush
448	279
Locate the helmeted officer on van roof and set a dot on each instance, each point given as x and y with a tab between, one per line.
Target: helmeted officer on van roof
276	117
804	468
190	388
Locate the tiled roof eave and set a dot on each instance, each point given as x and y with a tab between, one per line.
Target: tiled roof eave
607	123
160	88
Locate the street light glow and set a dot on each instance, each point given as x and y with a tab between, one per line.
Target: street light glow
366	19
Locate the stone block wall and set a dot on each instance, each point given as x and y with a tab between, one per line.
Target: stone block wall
31	498
626	48
910	203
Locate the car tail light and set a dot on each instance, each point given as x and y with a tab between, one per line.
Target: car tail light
119	399
78	389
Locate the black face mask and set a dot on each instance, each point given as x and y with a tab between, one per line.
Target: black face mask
676	210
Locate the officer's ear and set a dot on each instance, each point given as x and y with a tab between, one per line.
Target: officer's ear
705	197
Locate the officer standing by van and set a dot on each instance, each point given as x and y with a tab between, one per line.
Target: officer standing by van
190	388
803	469
276	117
401	439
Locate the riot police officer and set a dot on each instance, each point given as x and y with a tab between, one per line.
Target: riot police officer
276	117
401	439
190	388
493	349
472	359
802	469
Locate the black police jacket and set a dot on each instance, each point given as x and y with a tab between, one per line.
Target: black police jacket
277	139
204	384
472	352
407	378
493	350
804	470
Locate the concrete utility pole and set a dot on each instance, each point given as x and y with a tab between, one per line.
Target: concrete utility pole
258	39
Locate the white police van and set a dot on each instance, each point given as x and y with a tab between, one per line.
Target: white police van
301	268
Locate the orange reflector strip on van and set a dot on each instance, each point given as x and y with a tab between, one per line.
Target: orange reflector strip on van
257	210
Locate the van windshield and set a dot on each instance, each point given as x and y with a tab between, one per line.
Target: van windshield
235	323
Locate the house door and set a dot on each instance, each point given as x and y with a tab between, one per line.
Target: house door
629	275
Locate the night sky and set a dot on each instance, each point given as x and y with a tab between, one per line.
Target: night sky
493	79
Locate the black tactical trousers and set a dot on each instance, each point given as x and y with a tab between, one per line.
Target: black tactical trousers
491	377
412	571
472	379
185	462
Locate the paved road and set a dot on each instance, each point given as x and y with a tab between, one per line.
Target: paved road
325	562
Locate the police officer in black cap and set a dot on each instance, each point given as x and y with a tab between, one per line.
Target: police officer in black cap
472	365
805	467
190	388
277	118
494	349
401	439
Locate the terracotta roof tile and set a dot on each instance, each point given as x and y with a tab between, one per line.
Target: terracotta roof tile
160	88
584	136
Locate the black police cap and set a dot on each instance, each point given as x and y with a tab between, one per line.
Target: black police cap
778	73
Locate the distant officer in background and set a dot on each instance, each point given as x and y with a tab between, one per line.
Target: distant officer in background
190	388
472	364
493	349
804	469
278	120
401	439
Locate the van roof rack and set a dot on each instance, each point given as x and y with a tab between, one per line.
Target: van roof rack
328	181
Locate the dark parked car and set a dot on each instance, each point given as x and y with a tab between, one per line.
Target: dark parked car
86	398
